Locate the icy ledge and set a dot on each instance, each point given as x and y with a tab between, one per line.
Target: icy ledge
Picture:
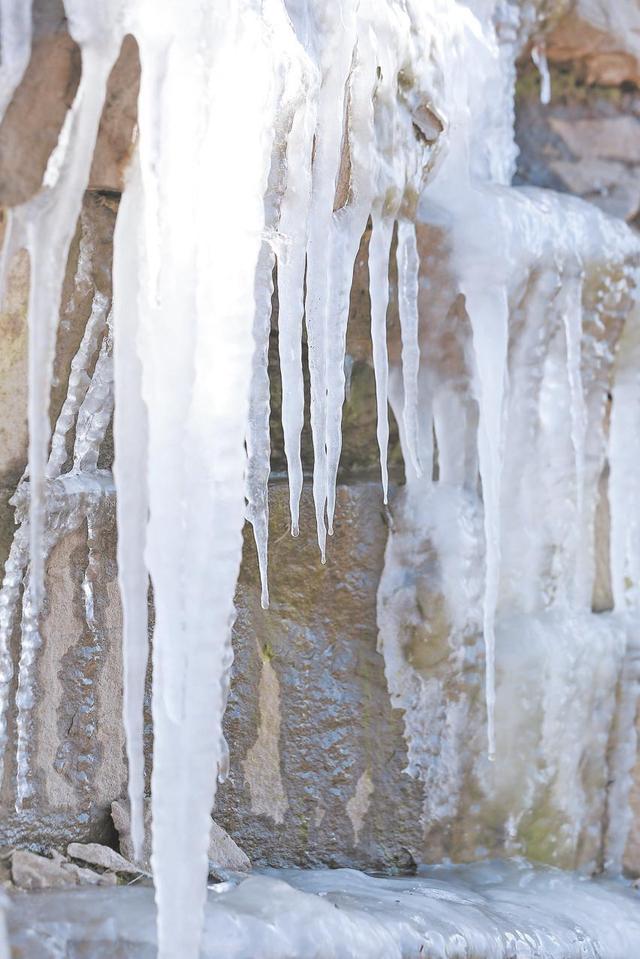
507	910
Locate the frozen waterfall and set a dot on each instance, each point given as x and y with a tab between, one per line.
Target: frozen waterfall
270	134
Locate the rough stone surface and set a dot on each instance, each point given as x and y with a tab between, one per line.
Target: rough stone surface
325	720
586	141
615	138
31	871
34	118
602	38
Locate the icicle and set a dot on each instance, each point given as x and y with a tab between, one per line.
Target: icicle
258	440
329	143
79	381
15	47
379	253
290	278
488	311
14	571
624	478
539	57
348	226
95	413
15	575
407	255
196	323
130	474
30	642
571	311
49	222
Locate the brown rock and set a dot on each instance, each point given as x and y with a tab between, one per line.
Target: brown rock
604	54
607	183
35	116
615	138
30	871
95	854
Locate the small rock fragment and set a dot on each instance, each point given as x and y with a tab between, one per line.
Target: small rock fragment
31	871
224	852
96	854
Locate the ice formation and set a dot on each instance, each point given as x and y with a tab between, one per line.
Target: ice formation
481	911
400	113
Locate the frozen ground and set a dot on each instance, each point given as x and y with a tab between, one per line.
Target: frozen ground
494	911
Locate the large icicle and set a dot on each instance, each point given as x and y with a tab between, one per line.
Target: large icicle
488	311
337	44
293	226
49	221
624	480
571	311
348	225
408	265
258	440
130	474
379	253
196	320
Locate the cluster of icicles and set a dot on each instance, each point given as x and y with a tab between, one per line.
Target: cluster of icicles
269	133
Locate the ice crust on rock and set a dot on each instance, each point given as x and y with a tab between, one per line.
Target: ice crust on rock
339	113
480	911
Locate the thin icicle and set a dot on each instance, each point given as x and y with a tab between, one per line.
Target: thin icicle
624	478
379	253
539	57
95	413
294	211
15	47
348	227
130	474
30	642
258	440
79	381
488	311
408	267
336	62
571	310
49	221
14	571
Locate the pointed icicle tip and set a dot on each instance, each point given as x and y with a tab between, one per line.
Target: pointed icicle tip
295	531
264	599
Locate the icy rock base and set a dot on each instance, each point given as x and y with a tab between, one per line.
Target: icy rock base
506	910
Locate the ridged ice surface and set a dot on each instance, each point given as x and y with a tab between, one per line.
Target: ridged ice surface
491	911
270	132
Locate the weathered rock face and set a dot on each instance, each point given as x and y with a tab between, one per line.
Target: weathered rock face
586	141
318	751
602	38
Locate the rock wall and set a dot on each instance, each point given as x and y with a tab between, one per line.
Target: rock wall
318	754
